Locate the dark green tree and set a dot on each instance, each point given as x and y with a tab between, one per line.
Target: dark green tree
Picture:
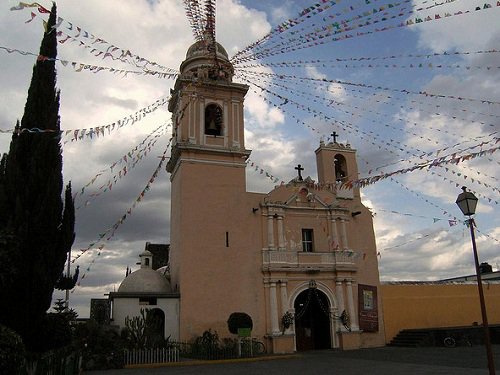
36	232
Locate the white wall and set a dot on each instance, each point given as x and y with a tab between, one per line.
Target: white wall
123	307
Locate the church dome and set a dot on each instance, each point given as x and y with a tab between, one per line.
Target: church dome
201	48
145	280
203	64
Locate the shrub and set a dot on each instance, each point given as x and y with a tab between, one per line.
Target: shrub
12	351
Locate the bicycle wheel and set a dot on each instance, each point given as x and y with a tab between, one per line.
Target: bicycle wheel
449	342
259	348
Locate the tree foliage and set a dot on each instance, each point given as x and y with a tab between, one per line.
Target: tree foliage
37	231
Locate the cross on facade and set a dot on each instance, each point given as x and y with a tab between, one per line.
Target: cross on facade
334	136
299	170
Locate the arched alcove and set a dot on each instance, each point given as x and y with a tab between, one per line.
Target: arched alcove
213	120
340	167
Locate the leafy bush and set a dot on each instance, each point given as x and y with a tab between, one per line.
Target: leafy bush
12	351
102	346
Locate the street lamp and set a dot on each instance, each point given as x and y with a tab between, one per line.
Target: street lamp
467	202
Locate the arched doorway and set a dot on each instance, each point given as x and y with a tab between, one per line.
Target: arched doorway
312	320
155	327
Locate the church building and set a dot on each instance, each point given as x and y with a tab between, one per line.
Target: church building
304	250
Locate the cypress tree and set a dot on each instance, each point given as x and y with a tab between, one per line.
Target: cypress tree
36	231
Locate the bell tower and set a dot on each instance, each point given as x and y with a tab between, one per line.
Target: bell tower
336	164
208	183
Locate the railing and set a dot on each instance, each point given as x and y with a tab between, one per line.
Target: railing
297	259
149	356
54	363
226	349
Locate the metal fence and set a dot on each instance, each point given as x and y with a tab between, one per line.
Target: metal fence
149	356
54	363
242	348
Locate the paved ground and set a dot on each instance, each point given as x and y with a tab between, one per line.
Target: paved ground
380	361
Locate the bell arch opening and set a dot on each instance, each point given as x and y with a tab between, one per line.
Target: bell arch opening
340	168
213	120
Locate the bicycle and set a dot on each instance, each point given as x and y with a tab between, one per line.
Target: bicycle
451	342
251	347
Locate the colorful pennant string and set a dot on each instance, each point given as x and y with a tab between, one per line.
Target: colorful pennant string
97	46
403	91
109	233
98	131
130	160
195	16
335	29
254	166
449	159
324	63
82	67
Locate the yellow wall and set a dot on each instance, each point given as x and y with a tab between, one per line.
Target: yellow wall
409	306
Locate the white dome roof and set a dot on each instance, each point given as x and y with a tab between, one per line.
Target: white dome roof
145	280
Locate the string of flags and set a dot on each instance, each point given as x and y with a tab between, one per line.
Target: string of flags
334	29
300	36
319	8
419	65
418	195
196	16
464	176
262	171
448	159
403	91
96	46
369	136
110	232
325	62
370	139
329	102
383	99
130	160
79	67
439	151
98	131
364	107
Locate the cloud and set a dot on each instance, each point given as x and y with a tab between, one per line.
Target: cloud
383	125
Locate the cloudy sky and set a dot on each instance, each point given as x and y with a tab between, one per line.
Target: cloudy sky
369	96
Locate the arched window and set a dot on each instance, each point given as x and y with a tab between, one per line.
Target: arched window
340	166
213	120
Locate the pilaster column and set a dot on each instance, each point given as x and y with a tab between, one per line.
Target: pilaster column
339	291
273	305
284	297
334	235
281	237
351	307
343	234
270	232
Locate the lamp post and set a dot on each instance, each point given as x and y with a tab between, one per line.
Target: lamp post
467	202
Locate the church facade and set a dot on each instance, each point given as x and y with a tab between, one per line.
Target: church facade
301	260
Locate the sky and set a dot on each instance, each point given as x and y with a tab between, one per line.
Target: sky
303	86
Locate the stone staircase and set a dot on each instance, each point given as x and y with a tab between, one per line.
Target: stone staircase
412	338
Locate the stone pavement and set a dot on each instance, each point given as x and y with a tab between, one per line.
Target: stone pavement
379	361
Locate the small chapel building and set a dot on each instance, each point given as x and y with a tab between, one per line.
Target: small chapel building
306	249
147	289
